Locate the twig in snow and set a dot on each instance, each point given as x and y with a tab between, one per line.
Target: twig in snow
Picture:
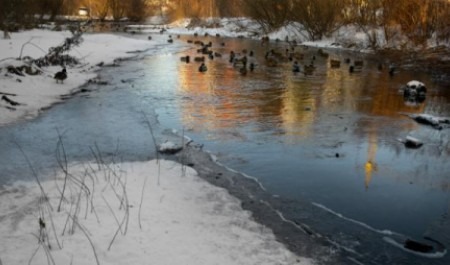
50	259
114	215
44	195
63	165
146	176
141	201
29	43
182	158
88	238
149	125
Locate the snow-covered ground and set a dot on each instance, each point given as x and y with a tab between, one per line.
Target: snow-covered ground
135	213
131	214
35	92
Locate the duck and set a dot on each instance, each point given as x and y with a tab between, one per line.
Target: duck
240	61
296	67
203	68
61	76
199	58
232	56
252	66
391	69
335	63
186	58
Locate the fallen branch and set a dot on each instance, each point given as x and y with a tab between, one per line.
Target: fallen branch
55	55
10	101
7	94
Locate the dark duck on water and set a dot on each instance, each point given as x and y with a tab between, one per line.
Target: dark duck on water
61	75
203	68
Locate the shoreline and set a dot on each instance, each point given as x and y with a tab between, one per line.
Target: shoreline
171	217
257	244
250	205
95	52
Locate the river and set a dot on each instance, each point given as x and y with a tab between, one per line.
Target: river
327	144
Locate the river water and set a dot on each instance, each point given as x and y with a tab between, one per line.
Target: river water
329	140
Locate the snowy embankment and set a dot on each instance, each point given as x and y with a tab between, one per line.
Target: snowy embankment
34	92
131	214
135	213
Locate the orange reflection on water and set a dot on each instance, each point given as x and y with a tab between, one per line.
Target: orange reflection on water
222	98
214	98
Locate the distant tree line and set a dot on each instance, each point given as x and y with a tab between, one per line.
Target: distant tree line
25	12
417	19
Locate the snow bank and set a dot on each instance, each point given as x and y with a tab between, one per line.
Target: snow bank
36	92
181	219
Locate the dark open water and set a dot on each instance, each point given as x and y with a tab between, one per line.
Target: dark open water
326	144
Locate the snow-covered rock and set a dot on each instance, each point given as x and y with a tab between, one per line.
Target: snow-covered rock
412	142
415	91
427	119
169	148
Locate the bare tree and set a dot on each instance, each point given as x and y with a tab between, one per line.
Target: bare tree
365	14
49	7
442	21
14	13
137	10
99	8
228	8
418	18
118	8
270	14
318	17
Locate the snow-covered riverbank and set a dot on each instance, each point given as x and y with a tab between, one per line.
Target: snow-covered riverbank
150	212
34	92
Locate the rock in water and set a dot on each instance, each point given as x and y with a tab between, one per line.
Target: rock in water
411	142
417	246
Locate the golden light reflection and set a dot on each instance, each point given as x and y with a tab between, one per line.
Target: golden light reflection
299	109
212	106
368	169
370	165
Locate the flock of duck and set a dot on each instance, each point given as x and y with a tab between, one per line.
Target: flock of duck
244	60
